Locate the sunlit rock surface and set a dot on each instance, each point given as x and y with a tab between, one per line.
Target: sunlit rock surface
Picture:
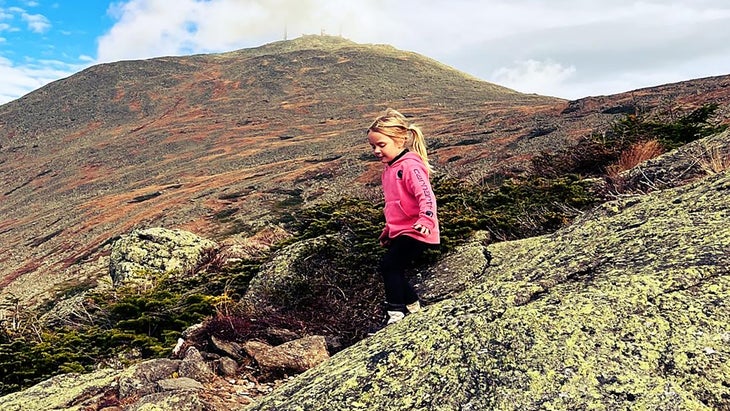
625	309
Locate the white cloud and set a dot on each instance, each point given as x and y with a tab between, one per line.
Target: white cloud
147	28
37	23
19	80
529	76
613	47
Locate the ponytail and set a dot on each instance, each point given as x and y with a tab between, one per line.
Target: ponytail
419	146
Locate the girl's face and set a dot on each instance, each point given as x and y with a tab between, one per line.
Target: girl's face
384	147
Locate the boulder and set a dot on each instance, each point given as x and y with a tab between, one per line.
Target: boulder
227	367
291	357
195	367
142	378
229	348
283	280
142	258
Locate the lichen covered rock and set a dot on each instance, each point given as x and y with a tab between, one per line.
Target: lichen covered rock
144	257
286	278
456	271
71	391
625	309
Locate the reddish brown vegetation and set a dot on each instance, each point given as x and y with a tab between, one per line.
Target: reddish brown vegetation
634	155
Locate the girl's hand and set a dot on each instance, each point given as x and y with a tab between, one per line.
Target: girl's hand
384	240
422	229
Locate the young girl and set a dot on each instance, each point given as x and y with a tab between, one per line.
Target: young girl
411	224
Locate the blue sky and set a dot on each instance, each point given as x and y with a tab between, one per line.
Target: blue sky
563	48
41	42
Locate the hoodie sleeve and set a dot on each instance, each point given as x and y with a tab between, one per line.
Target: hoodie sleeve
420	186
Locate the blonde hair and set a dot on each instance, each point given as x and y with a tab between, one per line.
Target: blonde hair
395	125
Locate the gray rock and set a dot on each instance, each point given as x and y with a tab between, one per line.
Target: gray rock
229	348
291	357
177	400
227	367
142	258
142	378
193	332
180	383
195	367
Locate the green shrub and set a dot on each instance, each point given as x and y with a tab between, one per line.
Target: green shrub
519	208
146	325
358	220
589	157
671	133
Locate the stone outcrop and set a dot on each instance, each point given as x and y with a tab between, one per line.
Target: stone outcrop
625	309
293	357
286	273
144	257
456	271
71	391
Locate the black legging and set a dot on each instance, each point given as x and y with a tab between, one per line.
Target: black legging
400	255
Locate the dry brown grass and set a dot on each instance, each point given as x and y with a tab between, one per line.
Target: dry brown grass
635	155
715	159
260	243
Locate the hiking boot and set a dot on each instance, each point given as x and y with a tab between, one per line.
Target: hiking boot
393	314
413	307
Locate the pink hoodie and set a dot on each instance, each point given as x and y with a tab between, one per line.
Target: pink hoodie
409	199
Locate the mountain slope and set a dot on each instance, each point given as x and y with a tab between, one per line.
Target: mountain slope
172	141
626	308
214	143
